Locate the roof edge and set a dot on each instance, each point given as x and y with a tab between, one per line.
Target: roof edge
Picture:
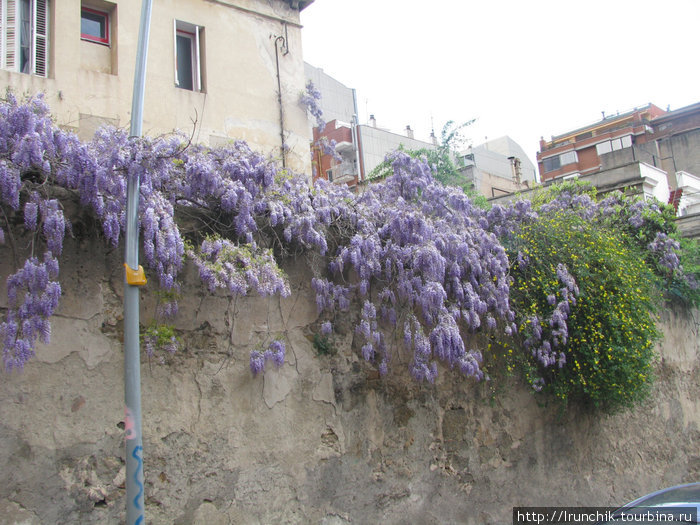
300	4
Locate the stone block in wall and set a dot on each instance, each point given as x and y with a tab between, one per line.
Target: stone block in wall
69	335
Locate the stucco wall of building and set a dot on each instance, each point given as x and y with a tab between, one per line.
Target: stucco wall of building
376	143
507	147
337	100
88	81
681	153
321	440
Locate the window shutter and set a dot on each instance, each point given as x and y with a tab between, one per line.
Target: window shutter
9	57
177	80
40	66
2	33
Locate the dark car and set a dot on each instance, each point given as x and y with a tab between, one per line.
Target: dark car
679	504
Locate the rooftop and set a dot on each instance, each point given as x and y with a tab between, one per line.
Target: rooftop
608	121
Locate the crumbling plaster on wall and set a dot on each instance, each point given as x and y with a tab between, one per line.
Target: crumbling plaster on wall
321	440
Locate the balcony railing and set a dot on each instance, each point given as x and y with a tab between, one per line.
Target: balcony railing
343	172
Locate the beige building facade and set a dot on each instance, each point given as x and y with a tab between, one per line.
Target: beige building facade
218	70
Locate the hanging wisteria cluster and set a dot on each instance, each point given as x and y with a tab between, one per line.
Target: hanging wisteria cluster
275	353
546	347
420	264
311	98
33	291
232	189
424	264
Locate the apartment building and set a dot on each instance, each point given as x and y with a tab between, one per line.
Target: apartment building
578	152
647	151
497	167
218	70
359	148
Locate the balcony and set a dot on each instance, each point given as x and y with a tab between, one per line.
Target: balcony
344	147
342	173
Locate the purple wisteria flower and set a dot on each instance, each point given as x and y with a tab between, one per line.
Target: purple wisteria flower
666	250
418	258
326	328
275	353
311	99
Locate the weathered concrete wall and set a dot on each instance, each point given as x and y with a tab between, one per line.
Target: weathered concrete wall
322	440
680	152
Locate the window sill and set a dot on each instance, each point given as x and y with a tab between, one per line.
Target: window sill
94	41
185	90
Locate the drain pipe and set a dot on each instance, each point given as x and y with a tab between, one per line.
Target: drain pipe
356	137
281	44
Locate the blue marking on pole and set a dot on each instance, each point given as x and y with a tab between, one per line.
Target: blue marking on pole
135	455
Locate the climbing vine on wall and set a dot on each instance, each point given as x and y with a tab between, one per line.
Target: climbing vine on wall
417	262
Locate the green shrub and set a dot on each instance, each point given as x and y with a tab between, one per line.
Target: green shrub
609	348
323	345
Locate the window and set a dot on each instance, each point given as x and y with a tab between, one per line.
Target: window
551	163
603	147
569	157
24	36
188	58
613	145
94	25
556	162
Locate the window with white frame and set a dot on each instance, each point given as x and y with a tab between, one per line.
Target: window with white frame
557	161
24	36
94	25
614	145
188	56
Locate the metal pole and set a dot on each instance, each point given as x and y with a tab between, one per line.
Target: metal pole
132	361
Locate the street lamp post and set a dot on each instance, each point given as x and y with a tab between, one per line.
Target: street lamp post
134	277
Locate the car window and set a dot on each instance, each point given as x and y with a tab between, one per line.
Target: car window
678	495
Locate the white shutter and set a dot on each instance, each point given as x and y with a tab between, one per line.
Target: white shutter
10	40
40	49
2	33
177	80
40	41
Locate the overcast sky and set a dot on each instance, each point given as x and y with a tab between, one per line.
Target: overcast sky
521	68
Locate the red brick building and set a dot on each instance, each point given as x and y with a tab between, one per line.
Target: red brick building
578	152
341	166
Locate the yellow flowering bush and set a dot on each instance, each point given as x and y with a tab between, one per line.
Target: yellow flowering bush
585	301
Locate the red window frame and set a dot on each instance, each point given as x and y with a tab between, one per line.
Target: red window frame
93	38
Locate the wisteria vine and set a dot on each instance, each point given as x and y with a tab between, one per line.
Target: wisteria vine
423	264
311	99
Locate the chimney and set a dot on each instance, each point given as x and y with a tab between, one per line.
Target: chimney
516	169
409	132
372	121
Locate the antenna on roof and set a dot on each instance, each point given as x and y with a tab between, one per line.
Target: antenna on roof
433	138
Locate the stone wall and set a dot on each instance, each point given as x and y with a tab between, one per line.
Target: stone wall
321	440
